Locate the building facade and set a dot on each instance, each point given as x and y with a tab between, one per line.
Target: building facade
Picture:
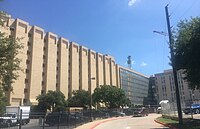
165	88
151	98
50	62
134	84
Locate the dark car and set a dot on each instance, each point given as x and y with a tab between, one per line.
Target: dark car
117	114
194	108
140	112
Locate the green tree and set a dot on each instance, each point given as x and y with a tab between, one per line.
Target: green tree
53	101
111	96
187	50
80	98
9	61
3	101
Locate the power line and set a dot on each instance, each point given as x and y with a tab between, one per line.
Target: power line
176	8
188	9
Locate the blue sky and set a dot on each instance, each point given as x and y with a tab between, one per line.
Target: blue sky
116	27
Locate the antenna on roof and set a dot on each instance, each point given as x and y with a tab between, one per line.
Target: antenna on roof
129	62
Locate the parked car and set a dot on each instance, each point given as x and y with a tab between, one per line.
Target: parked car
117	114
194	108
140	112
159	110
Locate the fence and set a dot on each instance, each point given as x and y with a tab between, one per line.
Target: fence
58	120
188	109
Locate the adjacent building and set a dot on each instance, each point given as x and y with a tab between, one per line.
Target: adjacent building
165	88
134	84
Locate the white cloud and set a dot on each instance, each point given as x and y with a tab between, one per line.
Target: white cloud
143	64
131	2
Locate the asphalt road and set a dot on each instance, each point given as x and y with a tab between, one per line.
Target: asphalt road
125	123
129	122
146	122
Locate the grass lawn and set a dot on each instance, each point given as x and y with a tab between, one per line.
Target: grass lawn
191	124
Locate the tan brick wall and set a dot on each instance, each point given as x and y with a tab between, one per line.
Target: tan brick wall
21	31
107	76
100	69
35	45
74	67
63	72
83	68
51	62
113	73
92	70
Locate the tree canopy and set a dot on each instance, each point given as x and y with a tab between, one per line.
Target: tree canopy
80	98
187	50
3	101
53	101
111	96
9	61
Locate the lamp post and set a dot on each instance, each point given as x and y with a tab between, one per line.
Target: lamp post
93	78
192	99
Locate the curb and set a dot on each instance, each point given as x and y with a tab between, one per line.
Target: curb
97	124
167	125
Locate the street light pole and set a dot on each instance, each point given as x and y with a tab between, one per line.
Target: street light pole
93	78
171	45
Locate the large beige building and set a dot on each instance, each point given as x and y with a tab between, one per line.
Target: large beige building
54	63
166	88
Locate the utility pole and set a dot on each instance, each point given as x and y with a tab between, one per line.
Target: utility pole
174	68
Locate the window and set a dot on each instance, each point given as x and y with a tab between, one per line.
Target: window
42	91
29	35
25	90
26	80
28	43
24	101
28	52
27	61
27	71
12	28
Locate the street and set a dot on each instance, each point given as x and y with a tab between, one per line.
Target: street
126	123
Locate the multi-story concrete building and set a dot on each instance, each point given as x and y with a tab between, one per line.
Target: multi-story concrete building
134	84
52	63
166	88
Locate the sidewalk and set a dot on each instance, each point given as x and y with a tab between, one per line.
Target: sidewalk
95	123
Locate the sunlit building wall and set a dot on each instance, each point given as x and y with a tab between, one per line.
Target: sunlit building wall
92	81
34	70
100	69
134	84
52	63
106	70
84	68
63	66
165	88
